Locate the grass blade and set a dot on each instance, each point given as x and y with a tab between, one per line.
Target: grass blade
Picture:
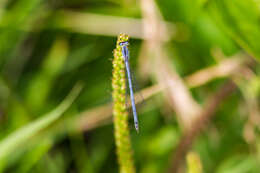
12	141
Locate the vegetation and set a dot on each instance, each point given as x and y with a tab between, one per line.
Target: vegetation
63	93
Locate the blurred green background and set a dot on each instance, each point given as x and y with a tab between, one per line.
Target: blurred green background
191	49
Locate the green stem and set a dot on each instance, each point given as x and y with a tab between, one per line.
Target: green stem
122	137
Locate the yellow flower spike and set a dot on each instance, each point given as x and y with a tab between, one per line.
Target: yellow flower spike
120	114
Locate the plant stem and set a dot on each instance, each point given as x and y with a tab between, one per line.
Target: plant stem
122	137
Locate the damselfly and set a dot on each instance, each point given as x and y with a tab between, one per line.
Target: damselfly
125	53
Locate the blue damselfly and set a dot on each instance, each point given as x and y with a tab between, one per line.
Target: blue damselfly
125	53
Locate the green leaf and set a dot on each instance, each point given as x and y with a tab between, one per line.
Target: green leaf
34	155
239	164
15	139
240	20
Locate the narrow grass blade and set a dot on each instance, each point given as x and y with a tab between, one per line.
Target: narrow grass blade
12	142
